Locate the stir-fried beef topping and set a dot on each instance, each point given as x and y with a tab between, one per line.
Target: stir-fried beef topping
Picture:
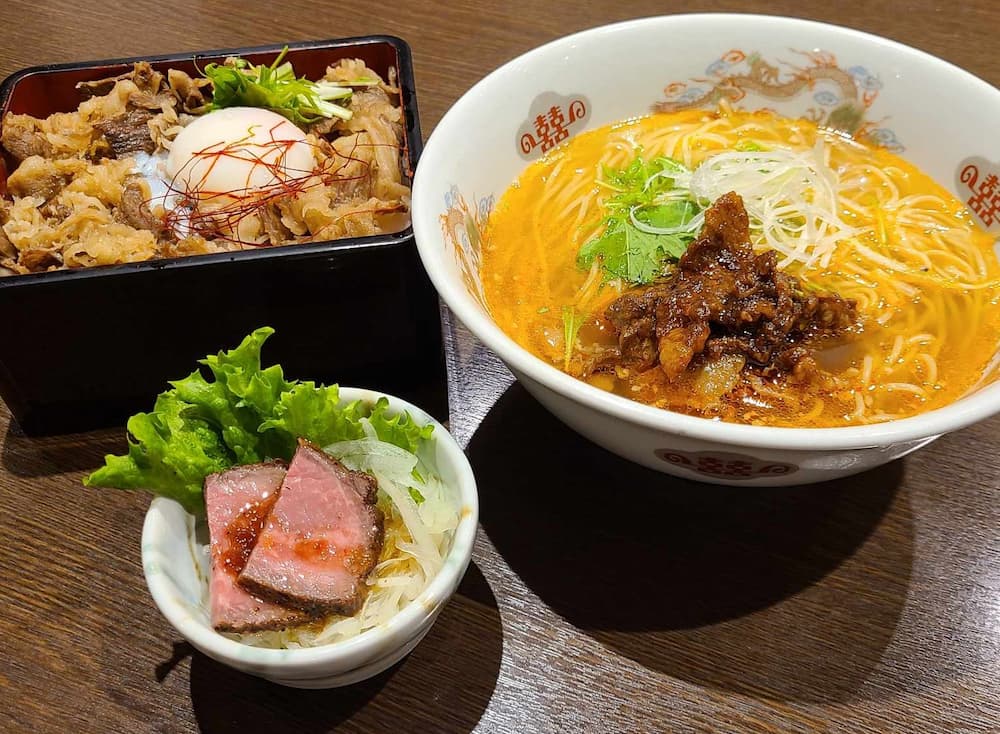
724	299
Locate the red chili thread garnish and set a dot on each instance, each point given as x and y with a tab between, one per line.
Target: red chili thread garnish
218	214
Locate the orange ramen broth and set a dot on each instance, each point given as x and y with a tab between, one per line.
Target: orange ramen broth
923	274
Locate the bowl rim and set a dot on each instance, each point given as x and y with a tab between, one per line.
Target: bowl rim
424	212
400	627
411	152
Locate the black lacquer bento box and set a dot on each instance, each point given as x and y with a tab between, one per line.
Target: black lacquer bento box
85	348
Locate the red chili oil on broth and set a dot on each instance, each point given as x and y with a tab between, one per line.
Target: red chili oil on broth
925	278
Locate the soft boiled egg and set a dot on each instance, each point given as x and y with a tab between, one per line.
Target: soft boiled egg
232	156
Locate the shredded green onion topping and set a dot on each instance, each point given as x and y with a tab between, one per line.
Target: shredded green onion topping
238	83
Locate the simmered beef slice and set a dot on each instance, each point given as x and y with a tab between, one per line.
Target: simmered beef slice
721	299
143	75
237	502
128	133
41	178
190	92
22	137
321	540
153	87
134	207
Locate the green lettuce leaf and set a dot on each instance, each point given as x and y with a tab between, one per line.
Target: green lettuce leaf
242	413
399	429
170	451
314	413
240	371
213	404
240	397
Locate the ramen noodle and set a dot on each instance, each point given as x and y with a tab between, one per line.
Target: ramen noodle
841	216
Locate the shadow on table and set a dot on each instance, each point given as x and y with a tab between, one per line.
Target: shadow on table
444	685
44	456
740	588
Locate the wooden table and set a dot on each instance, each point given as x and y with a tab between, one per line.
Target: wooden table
602	597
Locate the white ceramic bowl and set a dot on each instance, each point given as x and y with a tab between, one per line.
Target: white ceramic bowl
177	575
934	114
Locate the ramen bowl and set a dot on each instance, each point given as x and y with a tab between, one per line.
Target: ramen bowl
933	114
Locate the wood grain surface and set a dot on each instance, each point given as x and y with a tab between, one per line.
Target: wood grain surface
602	597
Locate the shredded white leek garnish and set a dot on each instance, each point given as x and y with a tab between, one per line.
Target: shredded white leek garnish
790	197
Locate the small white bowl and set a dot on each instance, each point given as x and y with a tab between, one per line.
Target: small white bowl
177	573
939	117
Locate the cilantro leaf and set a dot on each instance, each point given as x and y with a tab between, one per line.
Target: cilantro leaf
671	215
572	321
642	183
629	253
649	195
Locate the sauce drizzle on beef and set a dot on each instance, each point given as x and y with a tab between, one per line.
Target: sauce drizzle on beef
242	533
